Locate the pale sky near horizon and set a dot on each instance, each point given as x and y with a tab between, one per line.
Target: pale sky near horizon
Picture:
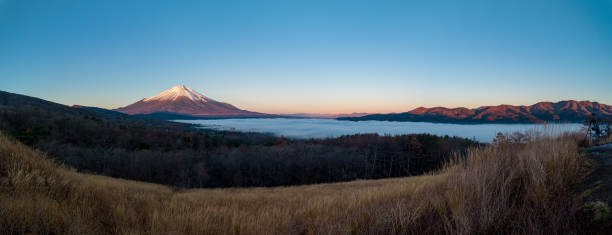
309	56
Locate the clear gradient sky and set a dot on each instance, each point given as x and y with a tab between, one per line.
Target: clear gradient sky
309	56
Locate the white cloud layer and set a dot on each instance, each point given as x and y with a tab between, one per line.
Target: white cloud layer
322	128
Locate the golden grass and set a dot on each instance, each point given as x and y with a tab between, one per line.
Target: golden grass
512	188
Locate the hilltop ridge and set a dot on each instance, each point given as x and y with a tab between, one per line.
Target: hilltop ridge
562	111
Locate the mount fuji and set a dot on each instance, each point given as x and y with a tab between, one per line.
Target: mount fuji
183	100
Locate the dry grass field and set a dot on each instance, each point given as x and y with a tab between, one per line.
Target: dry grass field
517	185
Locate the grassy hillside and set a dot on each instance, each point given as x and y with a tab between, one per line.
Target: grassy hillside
524	185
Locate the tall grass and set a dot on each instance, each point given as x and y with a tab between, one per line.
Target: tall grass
517	185
520	185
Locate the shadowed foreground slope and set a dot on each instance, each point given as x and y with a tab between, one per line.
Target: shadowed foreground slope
516	186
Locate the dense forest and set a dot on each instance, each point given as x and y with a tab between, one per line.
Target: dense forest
182	155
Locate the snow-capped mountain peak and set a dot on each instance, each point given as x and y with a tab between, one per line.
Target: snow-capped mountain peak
179	91
184	100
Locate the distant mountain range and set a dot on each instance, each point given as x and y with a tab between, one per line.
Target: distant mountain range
563	111
323	115
183	102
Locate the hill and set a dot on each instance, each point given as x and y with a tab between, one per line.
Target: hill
522	187
563	111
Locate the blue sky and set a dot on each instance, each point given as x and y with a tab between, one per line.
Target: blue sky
309	56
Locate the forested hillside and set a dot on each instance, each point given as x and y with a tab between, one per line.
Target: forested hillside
119	145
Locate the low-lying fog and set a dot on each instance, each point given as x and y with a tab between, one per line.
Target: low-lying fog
322	128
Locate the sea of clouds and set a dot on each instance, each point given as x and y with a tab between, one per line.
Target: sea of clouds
322	128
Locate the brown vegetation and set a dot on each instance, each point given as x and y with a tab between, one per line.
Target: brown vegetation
518	185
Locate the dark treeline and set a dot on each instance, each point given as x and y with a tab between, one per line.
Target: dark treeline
117	145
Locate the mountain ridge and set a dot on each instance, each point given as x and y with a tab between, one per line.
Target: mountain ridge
562	111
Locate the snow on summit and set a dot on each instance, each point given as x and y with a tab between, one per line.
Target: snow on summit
184	100
179	91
